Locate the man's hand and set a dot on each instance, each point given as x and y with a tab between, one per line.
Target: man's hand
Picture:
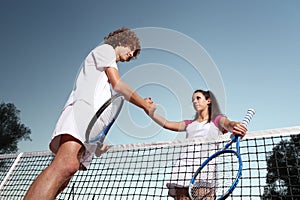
101	149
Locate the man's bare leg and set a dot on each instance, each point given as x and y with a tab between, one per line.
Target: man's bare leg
65	164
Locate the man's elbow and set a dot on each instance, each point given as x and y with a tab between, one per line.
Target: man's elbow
118	88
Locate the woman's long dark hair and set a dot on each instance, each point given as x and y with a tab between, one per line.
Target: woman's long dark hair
213	107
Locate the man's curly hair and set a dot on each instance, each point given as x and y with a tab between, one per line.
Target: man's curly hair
124	37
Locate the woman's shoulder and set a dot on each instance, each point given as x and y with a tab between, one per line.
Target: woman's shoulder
216	122
188	121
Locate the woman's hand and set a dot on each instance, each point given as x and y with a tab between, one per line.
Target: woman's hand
152	106
238	128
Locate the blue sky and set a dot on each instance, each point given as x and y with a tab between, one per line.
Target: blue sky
254	47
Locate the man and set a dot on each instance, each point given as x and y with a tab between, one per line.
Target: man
98	77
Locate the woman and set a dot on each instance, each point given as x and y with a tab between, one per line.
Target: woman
207	123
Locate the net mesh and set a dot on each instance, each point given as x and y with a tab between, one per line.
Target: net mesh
271	169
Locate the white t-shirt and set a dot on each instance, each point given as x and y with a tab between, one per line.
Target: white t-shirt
90	91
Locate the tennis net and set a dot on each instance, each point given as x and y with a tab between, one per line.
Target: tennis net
271	168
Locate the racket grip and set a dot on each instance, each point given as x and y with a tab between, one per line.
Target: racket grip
248	116
245	122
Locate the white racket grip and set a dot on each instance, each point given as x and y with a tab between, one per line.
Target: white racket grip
248	116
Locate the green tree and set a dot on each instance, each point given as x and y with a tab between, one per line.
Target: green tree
11	129
283	165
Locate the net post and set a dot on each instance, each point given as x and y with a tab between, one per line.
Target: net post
9	173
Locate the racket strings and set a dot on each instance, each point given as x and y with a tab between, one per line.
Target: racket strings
105	119
227	171
216	177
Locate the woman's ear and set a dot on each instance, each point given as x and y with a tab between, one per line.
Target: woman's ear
209	101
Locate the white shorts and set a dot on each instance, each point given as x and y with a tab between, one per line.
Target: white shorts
74	121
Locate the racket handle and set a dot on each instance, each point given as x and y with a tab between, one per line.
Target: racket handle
248	116
245	121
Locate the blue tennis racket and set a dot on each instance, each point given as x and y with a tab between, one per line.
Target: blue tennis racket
220	173
103	120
